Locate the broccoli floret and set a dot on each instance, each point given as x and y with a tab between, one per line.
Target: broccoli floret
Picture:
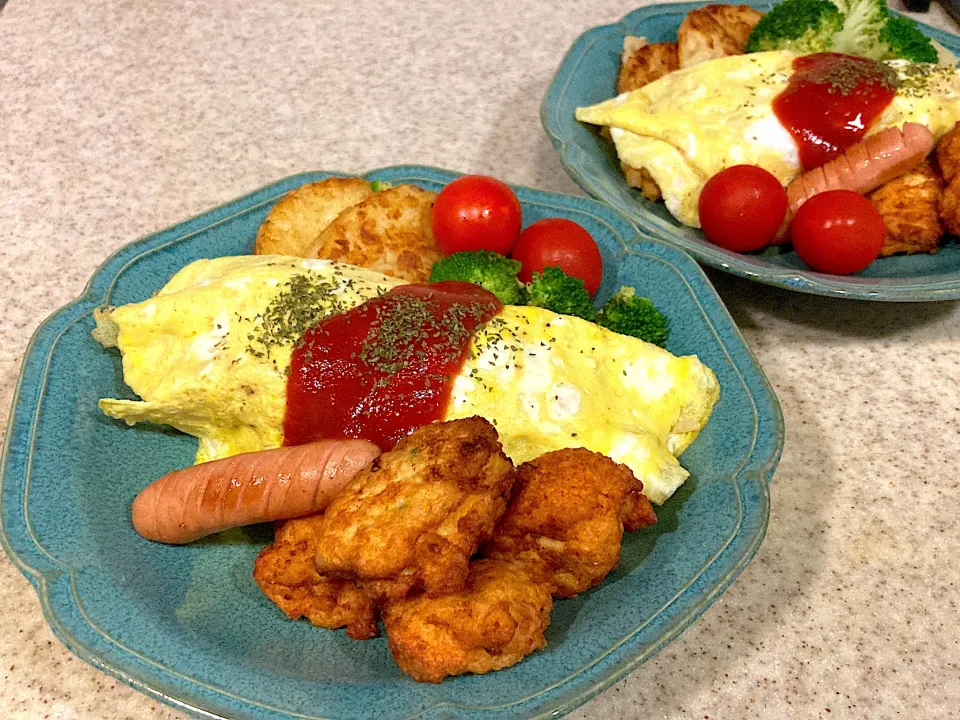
629	314
804	26
491	271
380	185
554	290
863	20
904	40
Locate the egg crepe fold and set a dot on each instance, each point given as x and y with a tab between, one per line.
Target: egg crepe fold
690	124
209	355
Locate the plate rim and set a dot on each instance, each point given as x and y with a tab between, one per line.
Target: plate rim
25	406
941	287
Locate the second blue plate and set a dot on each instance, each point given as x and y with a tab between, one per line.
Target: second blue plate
587	76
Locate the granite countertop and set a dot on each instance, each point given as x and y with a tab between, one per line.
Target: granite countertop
120	118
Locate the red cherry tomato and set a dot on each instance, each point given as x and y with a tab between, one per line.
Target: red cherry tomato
838	232
742	207
476	212
557	242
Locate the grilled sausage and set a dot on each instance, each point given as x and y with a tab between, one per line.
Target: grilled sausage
866	165
287	482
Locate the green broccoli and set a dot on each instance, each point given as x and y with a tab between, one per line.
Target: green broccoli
554	290
904	40
629	314
804	26
491	271
863	20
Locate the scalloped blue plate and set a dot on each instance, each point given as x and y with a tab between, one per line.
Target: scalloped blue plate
587	76
188	625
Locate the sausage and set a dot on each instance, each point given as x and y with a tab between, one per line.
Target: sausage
287	482
866	165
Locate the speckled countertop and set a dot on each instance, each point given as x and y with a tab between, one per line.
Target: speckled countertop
120	118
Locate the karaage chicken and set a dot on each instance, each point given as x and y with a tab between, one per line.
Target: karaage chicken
287	575
566	518
496	620
416	515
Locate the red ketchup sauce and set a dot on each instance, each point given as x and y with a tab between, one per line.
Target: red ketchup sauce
386	367
830	101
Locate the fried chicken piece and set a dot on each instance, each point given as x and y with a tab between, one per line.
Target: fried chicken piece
295	223
287	575
910	206
566	518
950	206
715	31
496	620
390	232
642	180
948	154
417	514
642	63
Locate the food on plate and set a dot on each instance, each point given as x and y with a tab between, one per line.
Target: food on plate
295	223
211	354
910	208
644	62
491	271
715	31
742	208
554	290
415	517
948	154
561	243
477	212
390	232
838	231
287	575
803	26
188	504
566	518
494	621
854	27
866	165
691	124
827	96
627	313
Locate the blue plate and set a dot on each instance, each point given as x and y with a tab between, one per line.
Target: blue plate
188	625
587	76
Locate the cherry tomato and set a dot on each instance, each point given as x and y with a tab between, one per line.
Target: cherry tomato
838	232
476	212
742	207
557	242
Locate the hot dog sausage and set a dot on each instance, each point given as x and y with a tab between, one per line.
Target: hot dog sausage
287	482
866	165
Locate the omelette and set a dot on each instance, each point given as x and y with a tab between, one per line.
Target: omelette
690	124
210	353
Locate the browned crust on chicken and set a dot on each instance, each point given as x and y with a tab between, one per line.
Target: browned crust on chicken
494	621
566	518
416	515
286	573
910	207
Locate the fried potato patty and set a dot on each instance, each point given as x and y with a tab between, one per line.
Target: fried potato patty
295	223
643	63
417	514
715	31
566	518
910	207
497	619
390	232
287	575
948	154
